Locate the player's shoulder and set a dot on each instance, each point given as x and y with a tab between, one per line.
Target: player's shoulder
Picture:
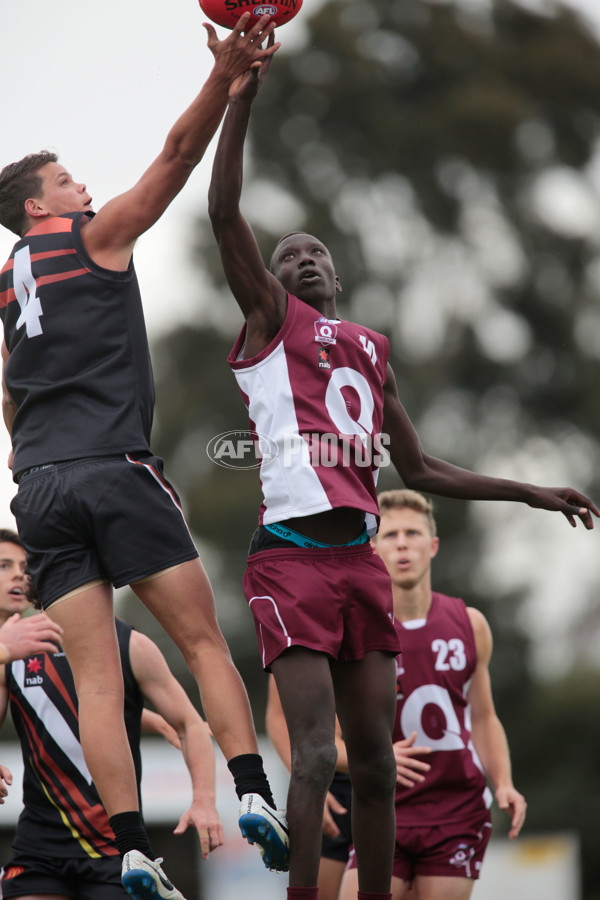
481	628
448	602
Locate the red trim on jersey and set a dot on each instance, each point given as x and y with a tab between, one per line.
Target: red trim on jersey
8	296
50	670
37	256
61	276
52	225
89	821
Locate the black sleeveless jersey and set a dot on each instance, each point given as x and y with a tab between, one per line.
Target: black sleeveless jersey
79	367
62	814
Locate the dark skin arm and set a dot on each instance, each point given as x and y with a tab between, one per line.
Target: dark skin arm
260	296
426	473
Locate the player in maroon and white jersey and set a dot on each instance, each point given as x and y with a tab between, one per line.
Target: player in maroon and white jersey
445	705
93	507
320	390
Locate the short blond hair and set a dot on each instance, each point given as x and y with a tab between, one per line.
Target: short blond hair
403	498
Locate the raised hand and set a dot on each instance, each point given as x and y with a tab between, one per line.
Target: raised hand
246	85
241	50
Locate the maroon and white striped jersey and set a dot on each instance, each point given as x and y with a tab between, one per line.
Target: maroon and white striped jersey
433	674
316	394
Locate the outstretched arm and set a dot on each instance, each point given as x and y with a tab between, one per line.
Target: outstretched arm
20	638
435	476
259	294
489	737
110	236
163	691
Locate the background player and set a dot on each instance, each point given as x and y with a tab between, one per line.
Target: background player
93	507
63	844
321	607
443	823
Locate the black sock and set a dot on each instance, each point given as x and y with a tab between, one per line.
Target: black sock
130	833
249	776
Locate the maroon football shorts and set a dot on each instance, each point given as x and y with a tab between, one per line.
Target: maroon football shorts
335	600
455	849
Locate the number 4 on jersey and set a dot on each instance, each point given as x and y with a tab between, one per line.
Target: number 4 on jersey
25	292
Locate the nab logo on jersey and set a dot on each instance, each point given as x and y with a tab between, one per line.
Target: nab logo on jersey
34	671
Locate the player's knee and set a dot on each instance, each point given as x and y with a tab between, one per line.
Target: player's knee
204	649
313	764
375	778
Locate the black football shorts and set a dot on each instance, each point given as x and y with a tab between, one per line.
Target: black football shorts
114	518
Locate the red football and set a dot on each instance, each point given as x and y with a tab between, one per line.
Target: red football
227	12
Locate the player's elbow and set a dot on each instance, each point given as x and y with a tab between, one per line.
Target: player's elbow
416	475
218	215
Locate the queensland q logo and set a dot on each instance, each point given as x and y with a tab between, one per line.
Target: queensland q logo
241	450
265	11
325	332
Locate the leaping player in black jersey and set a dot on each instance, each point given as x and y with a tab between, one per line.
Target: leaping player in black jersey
93	508
321	390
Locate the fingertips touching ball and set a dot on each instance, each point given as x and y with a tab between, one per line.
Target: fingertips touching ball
227	12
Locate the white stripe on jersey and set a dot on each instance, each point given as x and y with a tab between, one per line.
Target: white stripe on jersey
291	487
52	719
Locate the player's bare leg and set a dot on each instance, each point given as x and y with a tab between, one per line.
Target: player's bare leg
331	872
437	887
90	644
305	688
365	693
181	599
349	888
